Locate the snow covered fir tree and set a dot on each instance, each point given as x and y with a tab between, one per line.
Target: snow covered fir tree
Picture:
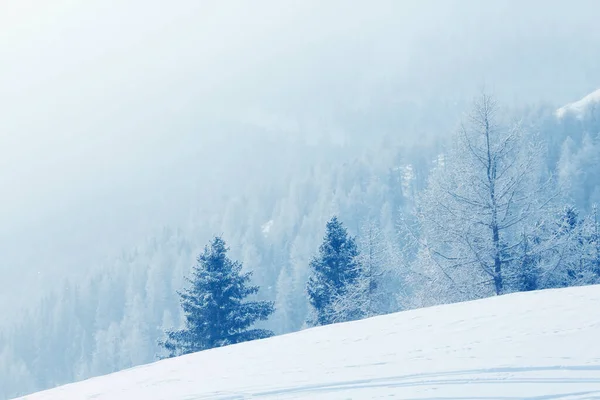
217	312
334	271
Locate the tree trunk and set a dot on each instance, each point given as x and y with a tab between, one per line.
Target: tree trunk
497	263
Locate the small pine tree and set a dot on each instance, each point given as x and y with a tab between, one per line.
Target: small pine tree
591	247
528	273
333	272
594	241
568	234
215	311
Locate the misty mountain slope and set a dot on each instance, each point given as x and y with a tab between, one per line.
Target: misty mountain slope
85	135
110	320
527	345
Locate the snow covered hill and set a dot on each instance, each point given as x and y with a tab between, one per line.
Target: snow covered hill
537	345
580	107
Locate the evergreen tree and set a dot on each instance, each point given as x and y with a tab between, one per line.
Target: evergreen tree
215	311
589	249
566	255
333	272
285	316
527	274
592	248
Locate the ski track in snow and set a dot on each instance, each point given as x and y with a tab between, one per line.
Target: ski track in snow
469	379
536	346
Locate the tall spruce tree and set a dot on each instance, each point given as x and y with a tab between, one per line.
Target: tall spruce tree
215	311
333	272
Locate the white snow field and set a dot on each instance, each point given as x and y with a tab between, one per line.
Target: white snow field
537	345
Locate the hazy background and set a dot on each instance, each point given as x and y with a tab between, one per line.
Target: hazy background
118	117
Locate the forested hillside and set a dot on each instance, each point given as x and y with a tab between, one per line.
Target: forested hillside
420	210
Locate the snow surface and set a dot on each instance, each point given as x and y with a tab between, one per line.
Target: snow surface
537	345
579	108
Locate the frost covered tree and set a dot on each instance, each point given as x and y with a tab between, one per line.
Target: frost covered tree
285	303
215	306
591	250
332	272
374	289
564	258
579	170
577	256
480	196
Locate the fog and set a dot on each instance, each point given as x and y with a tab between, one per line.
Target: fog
119	117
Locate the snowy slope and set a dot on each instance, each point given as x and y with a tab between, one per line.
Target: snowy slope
539	345
580	107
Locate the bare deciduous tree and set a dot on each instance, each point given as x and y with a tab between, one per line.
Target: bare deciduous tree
480	195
